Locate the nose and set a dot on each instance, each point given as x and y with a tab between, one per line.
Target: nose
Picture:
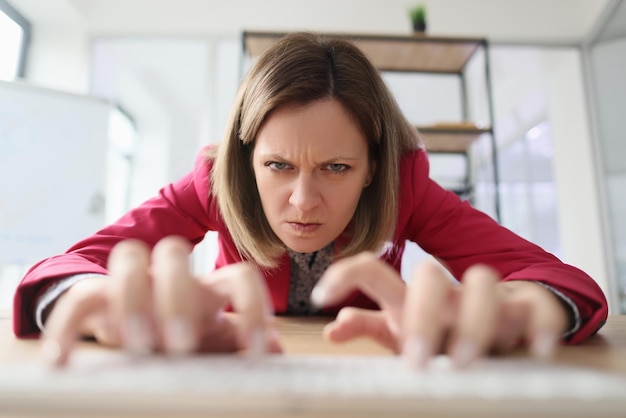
305	193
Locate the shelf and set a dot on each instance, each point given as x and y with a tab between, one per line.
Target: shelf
450	139
414	53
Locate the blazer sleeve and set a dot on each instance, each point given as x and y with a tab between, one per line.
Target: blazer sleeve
460	236
182	208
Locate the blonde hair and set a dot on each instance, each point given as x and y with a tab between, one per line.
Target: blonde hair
301	68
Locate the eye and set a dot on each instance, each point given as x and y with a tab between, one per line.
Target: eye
277	165
337	168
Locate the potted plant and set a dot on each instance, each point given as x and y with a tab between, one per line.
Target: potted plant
418	17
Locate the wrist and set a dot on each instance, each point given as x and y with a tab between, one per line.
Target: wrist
548	299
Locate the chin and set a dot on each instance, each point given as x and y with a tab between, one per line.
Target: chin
305	247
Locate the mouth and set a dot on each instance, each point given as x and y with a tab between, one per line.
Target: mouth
304	227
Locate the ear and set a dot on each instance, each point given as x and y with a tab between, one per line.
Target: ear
370	175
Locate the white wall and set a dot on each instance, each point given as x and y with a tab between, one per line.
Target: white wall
578	199
59	58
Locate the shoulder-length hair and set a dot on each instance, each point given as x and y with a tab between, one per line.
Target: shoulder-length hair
299	69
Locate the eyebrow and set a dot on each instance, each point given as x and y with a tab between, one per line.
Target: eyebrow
273	156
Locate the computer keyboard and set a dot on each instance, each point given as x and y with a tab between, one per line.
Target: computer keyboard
311	376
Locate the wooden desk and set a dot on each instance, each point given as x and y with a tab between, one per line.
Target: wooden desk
607	350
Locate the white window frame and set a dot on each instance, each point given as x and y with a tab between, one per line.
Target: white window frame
14	15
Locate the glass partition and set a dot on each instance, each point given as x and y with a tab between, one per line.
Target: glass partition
606	54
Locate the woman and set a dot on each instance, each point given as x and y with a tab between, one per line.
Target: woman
317	166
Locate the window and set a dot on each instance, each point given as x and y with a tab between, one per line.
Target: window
14	40
123	142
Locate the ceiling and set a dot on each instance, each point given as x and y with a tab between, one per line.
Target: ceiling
528	20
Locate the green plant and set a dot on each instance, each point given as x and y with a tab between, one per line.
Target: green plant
418	13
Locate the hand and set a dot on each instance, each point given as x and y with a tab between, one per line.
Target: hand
152	302
433	314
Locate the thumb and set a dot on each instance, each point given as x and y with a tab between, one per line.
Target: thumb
353	323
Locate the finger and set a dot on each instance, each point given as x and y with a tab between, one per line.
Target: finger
243	286
131	295
364	272
476	324
513	319
176	295
353	323
274	344
425	313
548	322
65	322
223	336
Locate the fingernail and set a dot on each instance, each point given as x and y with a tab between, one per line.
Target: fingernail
416	352
51	352
544	344
257	341
178	336
318	296
465	351
137	337
273	334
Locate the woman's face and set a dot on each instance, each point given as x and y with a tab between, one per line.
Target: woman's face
311	164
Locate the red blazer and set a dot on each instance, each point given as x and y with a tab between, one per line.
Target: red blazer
437	220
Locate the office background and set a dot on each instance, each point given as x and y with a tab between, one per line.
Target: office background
169	69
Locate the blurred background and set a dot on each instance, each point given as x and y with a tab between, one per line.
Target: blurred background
141	85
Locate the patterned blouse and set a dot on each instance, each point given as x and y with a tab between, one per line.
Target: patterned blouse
306	270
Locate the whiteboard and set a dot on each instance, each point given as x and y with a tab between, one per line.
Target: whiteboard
52	170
